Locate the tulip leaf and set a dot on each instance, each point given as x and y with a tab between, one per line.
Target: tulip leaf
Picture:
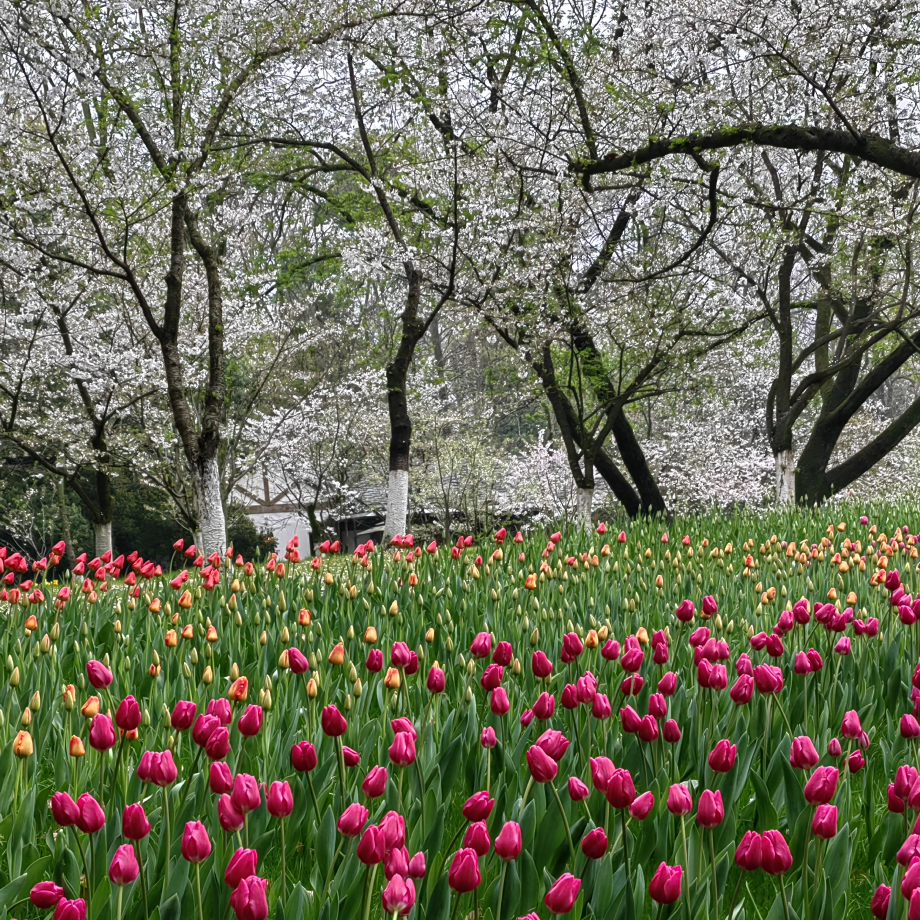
450	767
171	909
325	843
20	886
837	862
296	902
765	809
439	902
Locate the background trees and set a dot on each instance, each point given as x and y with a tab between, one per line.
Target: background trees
421	251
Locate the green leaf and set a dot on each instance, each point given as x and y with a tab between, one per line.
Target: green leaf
171	909
325	843
439	903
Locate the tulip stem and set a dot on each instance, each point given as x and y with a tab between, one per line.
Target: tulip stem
501	890
197	883
715	881
189	781
526	794
340	746
735	896
313	796
782	888
565	820
283	867
121	748
82	859
143	875
167	831
785	717
421	791
338	851
626	849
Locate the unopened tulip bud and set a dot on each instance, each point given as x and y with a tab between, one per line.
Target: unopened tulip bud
35	704
22	745
14	678
26	718
312	688
208	676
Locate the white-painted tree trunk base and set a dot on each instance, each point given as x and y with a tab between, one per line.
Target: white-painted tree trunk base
103	534
785	477
397	504
210	508
584	502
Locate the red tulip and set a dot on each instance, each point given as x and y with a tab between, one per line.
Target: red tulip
554	743
776	856
99	675
436	680
70	910
641	806
856	761
393	826
630	719
481	646
242	864
478	807
134	823
680	802
297	661
279	801
64	809
375	782
749	854
221	709
722	757
621	790
196	845
542	767
399	896
92	817
561	898
477	838
710	811
128	715
417	866
333	722
46	894
220	779
880	901
602	769
183	715
101	732
541	665
303	757
648	729
352	820
488	738
594	843
464	873
124	867
824	822
402	751
578	791
850	727
821	786
246	795
508	842
802	754
372	846
374	662
545	706
671	732
231	819
249	901
664	888
503	654
250	721
217	746
205	726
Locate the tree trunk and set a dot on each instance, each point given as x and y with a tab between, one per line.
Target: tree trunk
209	505
785	477
397	504
397	377
651	499
584	501
103	534
66	536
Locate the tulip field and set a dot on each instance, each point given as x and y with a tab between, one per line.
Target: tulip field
704	718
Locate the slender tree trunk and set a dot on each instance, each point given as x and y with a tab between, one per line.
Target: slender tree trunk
584	502
102	530
785	477
397	378
209	504
69	555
